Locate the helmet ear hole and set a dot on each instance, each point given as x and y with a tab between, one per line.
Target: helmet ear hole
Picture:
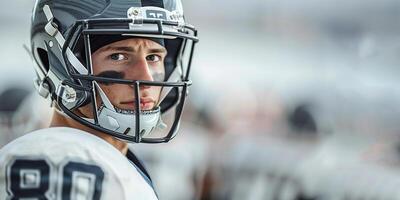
44	59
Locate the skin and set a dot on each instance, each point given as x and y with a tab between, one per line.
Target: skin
132	59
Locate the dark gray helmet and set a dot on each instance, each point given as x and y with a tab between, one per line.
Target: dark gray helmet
64	34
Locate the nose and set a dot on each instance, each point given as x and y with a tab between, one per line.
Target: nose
139	70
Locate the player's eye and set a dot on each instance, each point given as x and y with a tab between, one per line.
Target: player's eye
118	57
153	58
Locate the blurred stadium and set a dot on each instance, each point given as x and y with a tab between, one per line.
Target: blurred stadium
292	100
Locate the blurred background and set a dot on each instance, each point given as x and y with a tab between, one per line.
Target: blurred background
292	100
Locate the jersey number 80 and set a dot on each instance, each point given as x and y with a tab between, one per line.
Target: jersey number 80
38	179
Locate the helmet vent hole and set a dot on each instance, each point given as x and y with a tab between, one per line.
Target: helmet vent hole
44	59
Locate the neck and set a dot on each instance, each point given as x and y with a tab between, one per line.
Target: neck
60	120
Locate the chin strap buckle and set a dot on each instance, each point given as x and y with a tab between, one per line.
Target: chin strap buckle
43	88
68	94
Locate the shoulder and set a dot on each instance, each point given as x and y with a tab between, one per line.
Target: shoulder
57	144
69	159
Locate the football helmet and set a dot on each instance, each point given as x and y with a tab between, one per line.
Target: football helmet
64	34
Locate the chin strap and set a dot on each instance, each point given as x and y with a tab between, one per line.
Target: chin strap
124	123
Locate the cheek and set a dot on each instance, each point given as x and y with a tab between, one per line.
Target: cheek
158	73
155	92
117	92
86	111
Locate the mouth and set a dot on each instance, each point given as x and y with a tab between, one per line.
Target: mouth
124	111
130	112
145	104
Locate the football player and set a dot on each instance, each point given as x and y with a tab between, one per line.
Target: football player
115	71
11	100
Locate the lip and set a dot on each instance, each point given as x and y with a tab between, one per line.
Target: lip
145	104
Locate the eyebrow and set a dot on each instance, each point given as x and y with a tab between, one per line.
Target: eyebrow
130	49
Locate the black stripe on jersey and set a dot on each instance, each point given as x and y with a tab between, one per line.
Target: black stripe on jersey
141	169
132	157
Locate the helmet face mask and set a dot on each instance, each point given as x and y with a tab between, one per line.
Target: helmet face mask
67	71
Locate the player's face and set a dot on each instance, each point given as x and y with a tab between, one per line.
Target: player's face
132	59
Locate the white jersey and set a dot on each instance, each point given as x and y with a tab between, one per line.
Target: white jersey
66	163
